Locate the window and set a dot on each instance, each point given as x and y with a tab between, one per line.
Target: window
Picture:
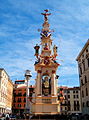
14	100
77	103
74	103
65	97
24	94
83	104
86	50
78	108
24	105
61	108
68	91
68	108
19	105
85	79
65	108
83	65
77	96
19	94
75	108
14	105
19	99
82	93
24	99
65	102
74	96
81	82
68	96
69	103
83	55
65	91
74	91
87	104
80	69
88	61
86	92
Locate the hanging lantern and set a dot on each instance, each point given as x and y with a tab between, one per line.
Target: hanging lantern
57	76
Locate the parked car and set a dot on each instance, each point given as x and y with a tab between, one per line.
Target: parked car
0	115
12	117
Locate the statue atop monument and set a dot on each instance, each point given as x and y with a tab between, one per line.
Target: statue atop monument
46	14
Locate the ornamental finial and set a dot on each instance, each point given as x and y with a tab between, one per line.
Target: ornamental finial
46	14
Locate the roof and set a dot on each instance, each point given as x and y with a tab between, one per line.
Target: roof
83	49
4	70
64	87
69	88
10	81
19	80
74	88
7	75
23	86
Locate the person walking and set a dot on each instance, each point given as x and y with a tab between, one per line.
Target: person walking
7	116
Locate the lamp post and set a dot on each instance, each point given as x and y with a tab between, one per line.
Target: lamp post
27	76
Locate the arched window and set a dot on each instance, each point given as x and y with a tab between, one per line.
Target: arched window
88	62
81	82
80	69
86	92
85	79
83	65
82	93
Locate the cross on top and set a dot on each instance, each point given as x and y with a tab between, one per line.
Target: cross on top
46	14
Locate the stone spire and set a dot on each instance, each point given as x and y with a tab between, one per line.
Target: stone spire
46	25
46	41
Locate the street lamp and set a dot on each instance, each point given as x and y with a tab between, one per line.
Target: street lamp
28	75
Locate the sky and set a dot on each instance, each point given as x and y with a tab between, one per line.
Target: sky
19	24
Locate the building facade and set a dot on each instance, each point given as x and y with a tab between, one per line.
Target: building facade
19	96
9	96
6	88
72	101
83	66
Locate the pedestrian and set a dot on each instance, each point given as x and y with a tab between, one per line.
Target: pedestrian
7	116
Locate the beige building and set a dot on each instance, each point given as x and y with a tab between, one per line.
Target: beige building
6	88
83	66
71	102
9	96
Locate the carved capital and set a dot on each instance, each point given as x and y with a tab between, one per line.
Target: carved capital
53	71
39	71
39	95
87	55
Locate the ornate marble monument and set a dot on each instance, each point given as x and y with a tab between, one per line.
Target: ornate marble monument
45	100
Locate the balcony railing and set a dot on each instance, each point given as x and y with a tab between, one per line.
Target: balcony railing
46	100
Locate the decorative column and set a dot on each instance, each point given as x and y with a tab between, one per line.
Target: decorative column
39	83
57	76
27	76
53	83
